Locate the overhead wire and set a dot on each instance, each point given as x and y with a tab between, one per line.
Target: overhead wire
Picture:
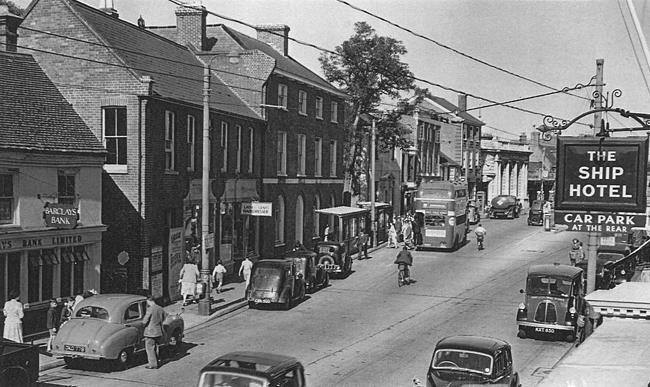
447	47
181	4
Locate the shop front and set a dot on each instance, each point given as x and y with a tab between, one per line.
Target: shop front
238	228
46	264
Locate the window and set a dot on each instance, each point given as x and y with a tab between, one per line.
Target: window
302	150
299	219
238	169
316	217
318	156
282	153
332	158
319	108
279	220
66	188
191	143
6	198
224	146
302	102
282	95
335	112
132	312
170	123
251	147
114	121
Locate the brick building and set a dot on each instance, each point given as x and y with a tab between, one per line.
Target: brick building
141	95
303	142
50	188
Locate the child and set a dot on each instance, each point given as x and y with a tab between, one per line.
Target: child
217	275
52	323
66	312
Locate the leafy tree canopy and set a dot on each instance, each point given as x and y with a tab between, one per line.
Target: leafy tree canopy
369	69
13	8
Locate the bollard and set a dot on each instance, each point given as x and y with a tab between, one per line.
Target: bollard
547	222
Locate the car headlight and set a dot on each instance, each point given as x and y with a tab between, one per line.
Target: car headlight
623	272
522	306
572	310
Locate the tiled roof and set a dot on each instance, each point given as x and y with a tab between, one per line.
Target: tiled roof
34	115
176	71
470	119
283	63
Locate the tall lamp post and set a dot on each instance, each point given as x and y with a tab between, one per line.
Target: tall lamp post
204	303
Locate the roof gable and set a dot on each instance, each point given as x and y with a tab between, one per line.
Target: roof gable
175	70
470	119
35	116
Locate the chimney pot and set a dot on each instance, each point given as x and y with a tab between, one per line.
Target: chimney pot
8	29
276	36
462	102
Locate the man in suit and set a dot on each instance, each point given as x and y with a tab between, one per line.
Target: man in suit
153	331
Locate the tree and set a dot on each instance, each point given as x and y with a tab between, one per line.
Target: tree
13	8
368	68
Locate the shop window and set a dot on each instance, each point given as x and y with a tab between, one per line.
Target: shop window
66	188
13	272
66	272
47	281
114	121
80	256
6	198
34	276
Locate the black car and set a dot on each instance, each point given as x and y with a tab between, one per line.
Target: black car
604	272
275	281
536	213
465	360
335	257
623	267
504	206
19	363
313	273
253	369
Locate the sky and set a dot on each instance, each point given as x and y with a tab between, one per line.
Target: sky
555	43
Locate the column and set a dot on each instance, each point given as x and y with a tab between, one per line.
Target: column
514	182
505	186
524	180
497	178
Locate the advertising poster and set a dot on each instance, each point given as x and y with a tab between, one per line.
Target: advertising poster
175	262
157	285
156	258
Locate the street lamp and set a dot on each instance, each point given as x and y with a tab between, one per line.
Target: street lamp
204	303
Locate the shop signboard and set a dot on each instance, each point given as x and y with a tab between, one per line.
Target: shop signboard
606	174
599	221
257	209
60	215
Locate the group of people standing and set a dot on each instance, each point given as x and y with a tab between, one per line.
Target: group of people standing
406	229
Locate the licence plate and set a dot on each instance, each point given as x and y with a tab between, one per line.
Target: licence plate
74	348
545	330
331	267
262	301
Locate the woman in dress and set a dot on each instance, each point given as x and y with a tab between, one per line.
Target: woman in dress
13	312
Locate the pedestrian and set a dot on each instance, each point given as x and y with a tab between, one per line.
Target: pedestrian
407	231
326	237
417	233
66	311
245	269
398	228
189	275
217	275
581	329
363	245
298	246
392	236
153	331
52	323
576	253
13	312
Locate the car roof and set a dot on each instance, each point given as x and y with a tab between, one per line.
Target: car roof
114	303
277	262
299	254
482	344
276	363
555	270
619	248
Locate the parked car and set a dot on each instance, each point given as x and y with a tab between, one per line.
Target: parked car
275	281
335	257
472	360
313	273
110	327
554	297
623	268
536	213
504	206
19	363
253	369
604	272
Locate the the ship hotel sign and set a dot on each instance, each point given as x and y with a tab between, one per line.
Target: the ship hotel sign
598	177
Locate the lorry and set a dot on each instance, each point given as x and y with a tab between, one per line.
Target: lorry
504	206
19	363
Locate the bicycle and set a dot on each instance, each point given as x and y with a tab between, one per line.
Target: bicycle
479	242
402	276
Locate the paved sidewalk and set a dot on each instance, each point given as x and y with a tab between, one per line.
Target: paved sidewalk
230	299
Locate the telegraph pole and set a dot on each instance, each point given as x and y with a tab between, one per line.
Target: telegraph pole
592	243
204	303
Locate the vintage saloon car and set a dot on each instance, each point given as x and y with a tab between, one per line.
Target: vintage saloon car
110	327
471	360
253	369
604	272
275	281
313	273
335	257
554	297
504	206
623	268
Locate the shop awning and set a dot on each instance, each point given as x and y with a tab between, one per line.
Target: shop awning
240	190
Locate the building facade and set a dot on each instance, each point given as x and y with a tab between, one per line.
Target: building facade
541	171
142	96
50	190
302	145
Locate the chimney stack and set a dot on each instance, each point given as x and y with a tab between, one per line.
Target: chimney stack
462	102
276	36
523	138
191	26
8	29
106	6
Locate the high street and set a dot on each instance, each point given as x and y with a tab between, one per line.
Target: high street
365	331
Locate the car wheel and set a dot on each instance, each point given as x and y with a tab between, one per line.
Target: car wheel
123	359
570	337
522	333
251	305
176	342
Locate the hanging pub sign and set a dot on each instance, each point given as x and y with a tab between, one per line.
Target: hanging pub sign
602	174
60	215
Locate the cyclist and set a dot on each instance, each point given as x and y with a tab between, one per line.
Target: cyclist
403	261
480	235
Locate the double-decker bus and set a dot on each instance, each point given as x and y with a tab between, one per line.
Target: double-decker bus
441	212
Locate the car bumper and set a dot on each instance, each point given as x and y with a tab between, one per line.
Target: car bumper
543	327
78	355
